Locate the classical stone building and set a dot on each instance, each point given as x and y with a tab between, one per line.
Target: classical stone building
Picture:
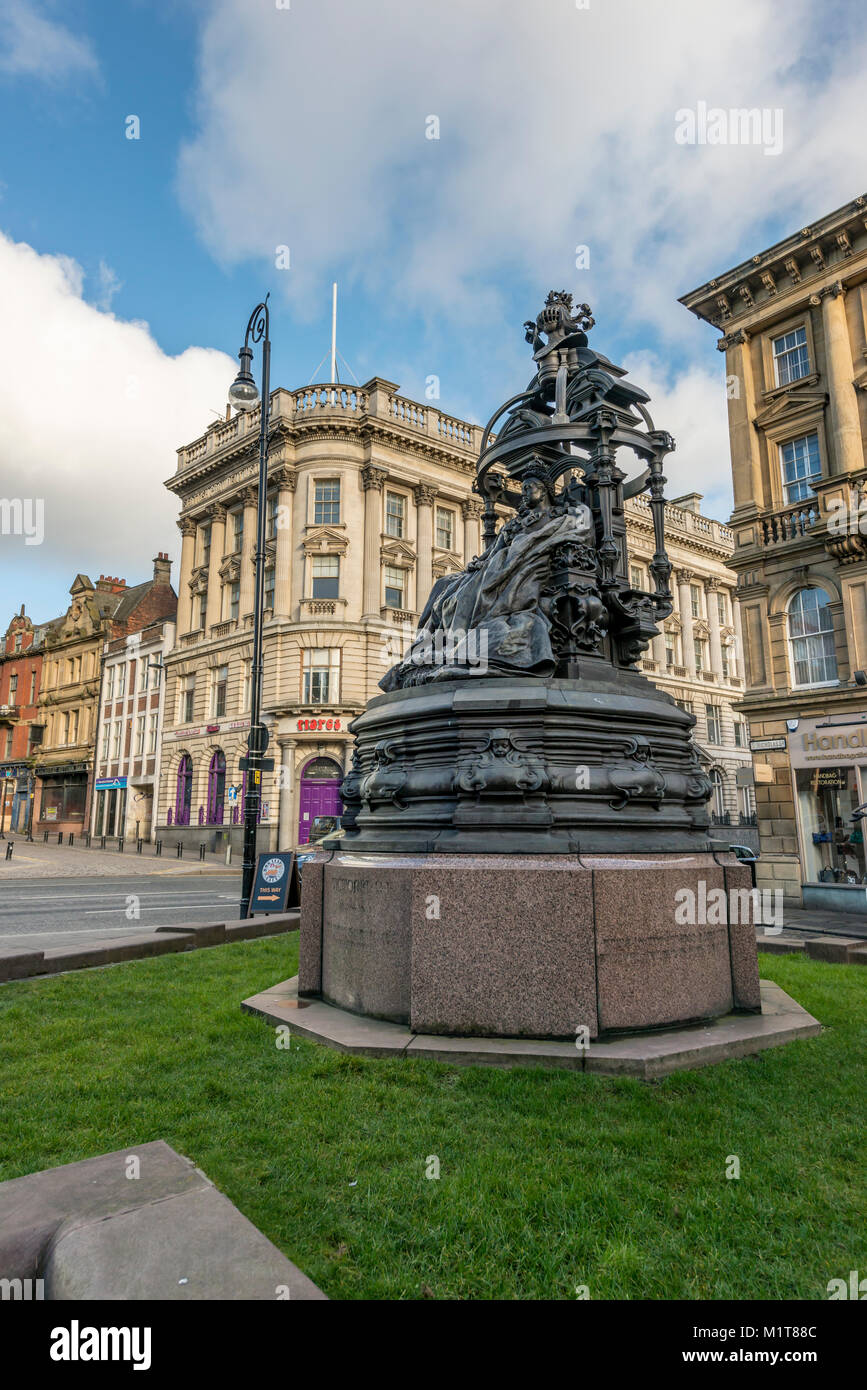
71	680
20	726
369	501
794	326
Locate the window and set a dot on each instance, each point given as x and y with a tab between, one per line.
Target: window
142	675
326	576
719	794
184	791
695	600
203	608
206	545
139	735
321	675
445	529
66	726
188	692
269	588
19	639
326	503
698	648
271	516
121	682
395	581
791	360
220	688
721	607
155	667
234	600
115	738
684	705
152	734
13	689
811	638
8	753
713	714
237	530
801	466
32	687
395	514
106	733
216	788
724	653
740	734
747	798
636	578
669	654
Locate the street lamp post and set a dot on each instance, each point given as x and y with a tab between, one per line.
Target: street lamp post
243	395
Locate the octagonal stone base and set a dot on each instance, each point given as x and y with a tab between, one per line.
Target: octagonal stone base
512	946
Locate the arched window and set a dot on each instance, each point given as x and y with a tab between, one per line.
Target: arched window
216	788
184	792
811	638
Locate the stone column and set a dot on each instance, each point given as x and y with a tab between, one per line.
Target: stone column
684	579
740	660
286	481
743	438
712	588
188	530
657	650
287	830
471	511
218	545
847	455
247	596
425	496
372	480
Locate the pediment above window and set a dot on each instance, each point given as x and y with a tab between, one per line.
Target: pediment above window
324	540
791	406
396	552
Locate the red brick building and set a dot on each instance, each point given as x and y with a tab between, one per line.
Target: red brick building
20	719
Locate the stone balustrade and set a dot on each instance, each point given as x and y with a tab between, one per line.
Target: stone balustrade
790	523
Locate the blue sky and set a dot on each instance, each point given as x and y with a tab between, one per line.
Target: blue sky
128	267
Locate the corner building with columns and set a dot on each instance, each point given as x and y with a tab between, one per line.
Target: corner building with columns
793	325
369	501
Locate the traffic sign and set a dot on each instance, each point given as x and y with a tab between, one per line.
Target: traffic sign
263	764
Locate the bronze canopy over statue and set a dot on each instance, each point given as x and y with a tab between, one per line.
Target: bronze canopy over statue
538	639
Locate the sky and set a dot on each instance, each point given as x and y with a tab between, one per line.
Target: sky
446	164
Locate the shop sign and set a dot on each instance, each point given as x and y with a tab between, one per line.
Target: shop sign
109	784
818	742
767	745
318	725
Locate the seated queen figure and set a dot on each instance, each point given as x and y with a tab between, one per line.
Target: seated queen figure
488	619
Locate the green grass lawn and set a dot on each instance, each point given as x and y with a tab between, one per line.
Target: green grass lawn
548	1180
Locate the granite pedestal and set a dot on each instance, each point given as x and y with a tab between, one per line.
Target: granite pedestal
528	946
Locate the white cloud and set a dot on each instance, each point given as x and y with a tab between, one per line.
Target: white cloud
91	414
556	129
34	45
109	285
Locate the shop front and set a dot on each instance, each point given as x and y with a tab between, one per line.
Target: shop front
828	759
62	797
109	813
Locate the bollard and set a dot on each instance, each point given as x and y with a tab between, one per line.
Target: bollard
228	854
45	838
87	840
202	853
159	848
102	845
120	844
138	845
70	837
180	849
9	849
60	837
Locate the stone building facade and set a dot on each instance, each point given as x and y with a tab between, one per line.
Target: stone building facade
793	321
369	501
71	686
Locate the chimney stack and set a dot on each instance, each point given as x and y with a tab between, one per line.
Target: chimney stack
162	568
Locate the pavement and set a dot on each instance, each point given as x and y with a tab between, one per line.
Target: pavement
35	859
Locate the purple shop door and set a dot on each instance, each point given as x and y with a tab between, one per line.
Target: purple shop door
320	796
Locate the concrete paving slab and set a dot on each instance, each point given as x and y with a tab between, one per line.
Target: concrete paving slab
93	1230
644	1055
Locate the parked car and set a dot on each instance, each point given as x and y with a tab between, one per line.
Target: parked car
746	855
325	833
